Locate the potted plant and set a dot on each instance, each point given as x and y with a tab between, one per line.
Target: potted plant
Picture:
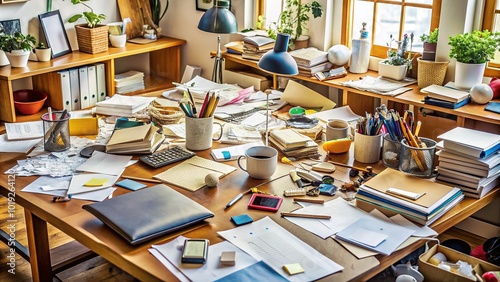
43	53
398	61
293	21
429	44
472	51
17	47
156	10
92	37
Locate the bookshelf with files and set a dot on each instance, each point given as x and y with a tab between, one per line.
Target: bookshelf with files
164	56
470	116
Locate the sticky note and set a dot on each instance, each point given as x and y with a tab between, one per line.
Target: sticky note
241	219
228	258
293	268
96	182
130	184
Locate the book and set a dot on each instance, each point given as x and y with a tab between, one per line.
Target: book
234	47
258	40
464	177
471	142
455	157
445	93
121	105
446	104
474	192
463	167
138	139
308	57
289	138
24	130
493	107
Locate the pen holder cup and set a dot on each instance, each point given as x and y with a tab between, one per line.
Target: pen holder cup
56	131
418	161
390	151
200	132
367	148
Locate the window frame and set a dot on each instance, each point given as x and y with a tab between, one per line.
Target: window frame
492	70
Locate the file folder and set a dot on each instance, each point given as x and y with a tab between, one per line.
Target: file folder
75	89
65	89
92	77
101	82
84	87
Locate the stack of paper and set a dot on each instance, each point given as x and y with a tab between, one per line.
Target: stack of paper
470	159
254	47
434	199
293	144
445	96
311	60
129	81
142	139
120	105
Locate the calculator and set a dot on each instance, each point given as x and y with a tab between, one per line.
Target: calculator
169	156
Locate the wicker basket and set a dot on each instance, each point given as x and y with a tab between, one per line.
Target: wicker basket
161	114
92	40
430	72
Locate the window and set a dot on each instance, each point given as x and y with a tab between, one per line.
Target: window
491	21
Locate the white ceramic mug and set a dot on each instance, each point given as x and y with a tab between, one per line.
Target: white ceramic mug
367	148
118	40
261	161
199	133
336	129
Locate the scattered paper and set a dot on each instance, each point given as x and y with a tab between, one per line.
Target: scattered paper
101	162
17	146
381	85
24	130
77	184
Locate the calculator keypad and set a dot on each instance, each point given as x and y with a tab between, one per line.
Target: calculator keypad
169	156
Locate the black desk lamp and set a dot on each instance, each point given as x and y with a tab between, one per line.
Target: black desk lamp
278	61
218	19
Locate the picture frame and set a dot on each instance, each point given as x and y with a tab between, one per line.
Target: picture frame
12	1
55	33
10	26
204	5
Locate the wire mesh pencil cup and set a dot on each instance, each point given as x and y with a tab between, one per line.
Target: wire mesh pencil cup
417	161
390	151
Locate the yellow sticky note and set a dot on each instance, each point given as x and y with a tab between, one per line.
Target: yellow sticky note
95	182
293	268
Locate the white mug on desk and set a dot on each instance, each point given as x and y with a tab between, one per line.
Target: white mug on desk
261	161
336	129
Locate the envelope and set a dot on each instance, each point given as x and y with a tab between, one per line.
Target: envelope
298	95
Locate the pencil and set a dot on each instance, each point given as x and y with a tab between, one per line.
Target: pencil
204	106
307	200
316	216
141	179
192	101
214	106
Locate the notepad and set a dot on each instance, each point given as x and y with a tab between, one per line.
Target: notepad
130	184
95	182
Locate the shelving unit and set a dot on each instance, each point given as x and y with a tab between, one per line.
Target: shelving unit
164	68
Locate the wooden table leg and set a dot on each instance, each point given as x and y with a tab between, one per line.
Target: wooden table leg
38	244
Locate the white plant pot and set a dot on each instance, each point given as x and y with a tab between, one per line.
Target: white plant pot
468	75
391	71
18	58
43	55
3	59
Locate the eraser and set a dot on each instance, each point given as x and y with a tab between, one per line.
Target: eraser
293	268
241	219
228	258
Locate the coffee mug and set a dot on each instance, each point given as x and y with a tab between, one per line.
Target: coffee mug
199	133
261	161
336	129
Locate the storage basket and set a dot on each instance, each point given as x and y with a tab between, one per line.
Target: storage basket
418	161
92	40
430	72
161	114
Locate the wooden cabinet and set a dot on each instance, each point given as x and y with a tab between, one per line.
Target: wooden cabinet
164	68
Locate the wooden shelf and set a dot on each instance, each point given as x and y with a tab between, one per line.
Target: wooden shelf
164	67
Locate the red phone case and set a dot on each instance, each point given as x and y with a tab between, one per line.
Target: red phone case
265	202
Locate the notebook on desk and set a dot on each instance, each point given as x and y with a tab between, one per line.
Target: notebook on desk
156	211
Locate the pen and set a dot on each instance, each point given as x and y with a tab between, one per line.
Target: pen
192	101
237	198
204	106
59	199
141	179
316	216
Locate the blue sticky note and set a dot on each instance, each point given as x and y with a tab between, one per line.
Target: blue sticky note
241	219
130	184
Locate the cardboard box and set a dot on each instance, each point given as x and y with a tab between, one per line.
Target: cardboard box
246	79
433	273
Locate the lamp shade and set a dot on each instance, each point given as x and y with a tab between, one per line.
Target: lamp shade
278	61
218	19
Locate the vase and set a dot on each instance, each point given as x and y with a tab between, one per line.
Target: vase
468	75
43	55
429	53
301	42
3	59
430	72
92	40
18	58
392	71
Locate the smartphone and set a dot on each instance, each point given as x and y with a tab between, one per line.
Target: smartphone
265	202
195	251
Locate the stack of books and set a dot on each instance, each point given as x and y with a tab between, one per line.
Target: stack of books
445	96
470	159
143	139
293	144
431	200
311	60
120	105
129	82
254	47
234	47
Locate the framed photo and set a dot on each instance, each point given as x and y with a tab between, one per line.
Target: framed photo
54	33
204	5
11	1
10	26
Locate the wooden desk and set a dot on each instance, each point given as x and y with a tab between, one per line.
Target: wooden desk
70	218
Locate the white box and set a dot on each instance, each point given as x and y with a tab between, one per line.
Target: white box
247	79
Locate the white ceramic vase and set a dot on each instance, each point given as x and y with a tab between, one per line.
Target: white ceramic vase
43	55
18	58
468	75
3	59
391	71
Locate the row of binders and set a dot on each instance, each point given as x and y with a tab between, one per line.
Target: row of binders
82	87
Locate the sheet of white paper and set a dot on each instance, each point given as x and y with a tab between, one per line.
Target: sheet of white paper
60	185
343	113
168	265
420	231
24	130
76	185
101	162
17	146
254	120
96	196
342	215
369	237
266	240
212	269
177	130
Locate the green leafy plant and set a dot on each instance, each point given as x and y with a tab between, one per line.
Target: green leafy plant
432	37
17	41
293	19
93	19
156	10
41	45
399	57
474	48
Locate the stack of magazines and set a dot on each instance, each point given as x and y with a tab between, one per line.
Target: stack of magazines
445	96
311	60
254	47
129	82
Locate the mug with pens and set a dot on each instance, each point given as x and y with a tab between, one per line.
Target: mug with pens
368	139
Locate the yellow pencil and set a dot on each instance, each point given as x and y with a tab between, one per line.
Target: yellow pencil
214	106
210	103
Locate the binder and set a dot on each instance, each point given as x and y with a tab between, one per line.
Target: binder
84	87
92	77
75	89
101	82
65	89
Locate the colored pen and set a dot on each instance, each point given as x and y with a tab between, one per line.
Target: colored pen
204	106
237	198
192	101
316	216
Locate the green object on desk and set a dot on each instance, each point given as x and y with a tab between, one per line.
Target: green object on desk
297	112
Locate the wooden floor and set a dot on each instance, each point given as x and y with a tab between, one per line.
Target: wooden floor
98	269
